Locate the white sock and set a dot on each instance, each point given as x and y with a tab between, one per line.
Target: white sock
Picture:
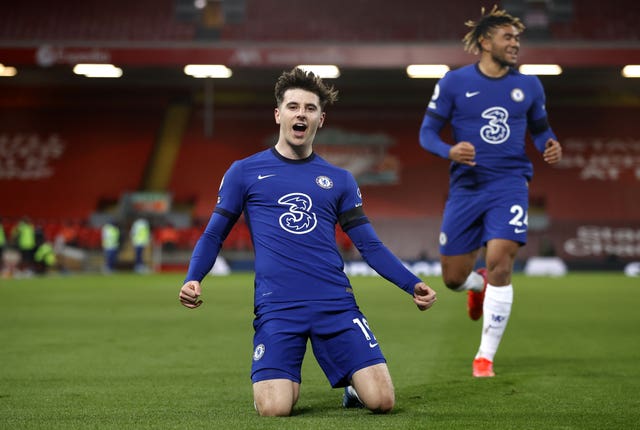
474	282
496	310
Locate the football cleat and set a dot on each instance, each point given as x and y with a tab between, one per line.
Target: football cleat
483	368
351	399
475	299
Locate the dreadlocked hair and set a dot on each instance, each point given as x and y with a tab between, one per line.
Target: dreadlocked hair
482	27
308	81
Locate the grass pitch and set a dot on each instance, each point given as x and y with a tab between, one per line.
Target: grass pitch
119	352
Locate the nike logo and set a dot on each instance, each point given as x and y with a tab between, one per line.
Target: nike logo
471	94
373	345
489	328
520	230
265	176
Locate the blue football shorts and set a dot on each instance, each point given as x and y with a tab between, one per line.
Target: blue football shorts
472	218
339	334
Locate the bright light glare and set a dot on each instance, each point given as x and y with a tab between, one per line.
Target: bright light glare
427	70
207	71
631	71
7	71
540	69
98	70
325	71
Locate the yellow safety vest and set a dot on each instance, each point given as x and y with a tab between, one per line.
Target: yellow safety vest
110	237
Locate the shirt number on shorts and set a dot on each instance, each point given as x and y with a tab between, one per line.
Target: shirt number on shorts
520	218
366	331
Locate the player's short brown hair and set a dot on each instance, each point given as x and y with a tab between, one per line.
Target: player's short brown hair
306	80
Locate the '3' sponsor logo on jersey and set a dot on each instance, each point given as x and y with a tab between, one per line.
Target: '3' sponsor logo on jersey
298	219
497	129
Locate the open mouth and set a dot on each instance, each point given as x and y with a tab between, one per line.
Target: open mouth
299	127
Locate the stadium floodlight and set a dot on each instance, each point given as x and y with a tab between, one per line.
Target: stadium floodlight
325	71
540	69
97	70
631	71
7	71
421	71
208	71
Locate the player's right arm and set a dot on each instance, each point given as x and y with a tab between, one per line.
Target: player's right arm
206	251
461	152
208	246
190	294
204	256
436	116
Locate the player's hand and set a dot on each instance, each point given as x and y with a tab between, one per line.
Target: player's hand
190	294
423	296
463	153
553	152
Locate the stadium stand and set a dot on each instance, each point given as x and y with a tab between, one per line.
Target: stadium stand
67	152
79	20
363	21
61	162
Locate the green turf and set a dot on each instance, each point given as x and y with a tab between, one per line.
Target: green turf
119	352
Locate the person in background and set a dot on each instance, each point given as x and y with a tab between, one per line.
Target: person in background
3	244
490	106
23	235
140	236
292	200
110	245
44	258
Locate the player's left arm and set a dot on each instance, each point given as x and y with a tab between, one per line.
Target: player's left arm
553	151
538	123
382	260
545	140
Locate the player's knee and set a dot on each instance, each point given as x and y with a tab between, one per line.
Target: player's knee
453	282
269	408
500	274
383	404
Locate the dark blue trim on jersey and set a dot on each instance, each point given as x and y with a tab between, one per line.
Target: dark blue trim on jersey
436	116
540	140
208	246
378	256
541	133
226	213
352	218
355	223
539	125
289	160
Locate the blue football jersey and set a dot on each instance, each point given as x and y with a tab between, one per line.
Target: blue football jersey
493	114
291	208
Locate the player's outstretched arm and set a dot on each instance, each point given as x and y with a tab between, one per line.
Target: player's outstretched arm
190	294
423	296
552	151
